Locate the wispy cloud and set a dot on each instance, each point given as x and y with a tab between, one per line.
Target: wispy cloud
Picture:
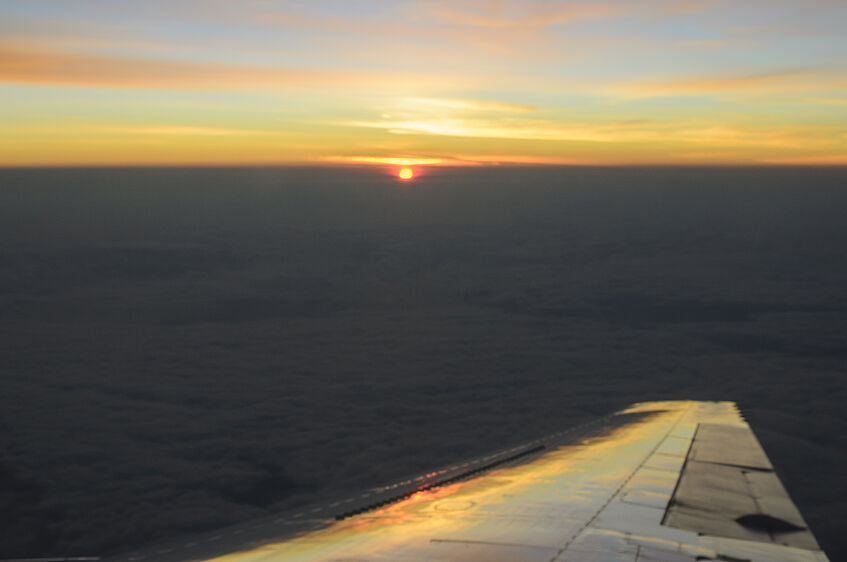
829	101
826	160
718	135
477	128
422	29
684	7
481	128
495	159
185	131
517	15
394	160
24	65
779	80
80	130
464	104
460	160
30	66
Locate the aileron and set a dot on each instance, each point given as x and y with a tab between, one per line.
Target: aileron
728	488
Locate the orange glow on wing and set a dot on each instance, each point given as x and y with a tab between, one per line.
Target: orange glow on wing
471	507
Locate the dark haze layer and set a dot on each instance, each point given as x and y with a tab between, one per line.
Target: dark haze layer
188	348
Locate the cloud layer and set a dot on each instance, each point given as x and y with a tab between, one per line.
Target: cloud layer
186	349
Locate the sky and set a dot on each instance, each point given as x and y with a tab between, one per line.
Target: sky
189	82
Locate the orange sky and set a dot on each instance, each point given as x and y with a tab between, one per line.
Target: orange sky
477	82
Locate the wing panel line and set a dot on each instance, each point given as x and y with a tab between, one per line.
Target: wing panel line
626	481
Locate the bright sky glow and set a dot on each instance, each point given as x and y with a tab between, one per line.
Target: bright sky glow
423	82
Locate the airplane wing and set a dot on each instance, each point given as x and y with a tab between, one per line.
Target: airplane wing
660	481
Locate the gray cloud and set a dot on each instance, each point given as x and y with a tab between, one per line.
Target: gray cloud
186	349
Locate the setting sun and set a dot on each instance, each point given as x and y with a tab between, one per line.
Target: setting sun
406	174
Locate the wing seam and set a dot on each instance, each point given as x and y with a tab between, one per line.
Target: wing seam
626	481
679	477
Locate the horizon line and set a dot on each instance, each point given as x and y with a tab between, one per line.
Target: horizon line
372	166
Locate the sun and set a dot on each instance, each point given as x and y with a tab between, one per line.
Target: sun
406	174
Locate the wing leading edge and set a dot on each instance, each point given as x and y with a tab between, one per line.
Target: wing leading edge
668	481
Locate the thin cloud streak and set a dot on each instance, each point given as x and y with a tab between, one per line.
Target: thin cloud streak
497	159
474	105
827	160
830	101
188	130
627	142
462	160
685	7
518	15
482	129
719	135
395	160
428	27
22	65
783	80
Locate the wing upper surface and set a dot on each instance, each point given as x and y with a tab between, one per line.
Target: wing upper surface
667	481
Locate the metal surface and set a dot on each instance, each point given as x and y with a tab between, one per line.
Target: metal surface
728	488
728	444
598	496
